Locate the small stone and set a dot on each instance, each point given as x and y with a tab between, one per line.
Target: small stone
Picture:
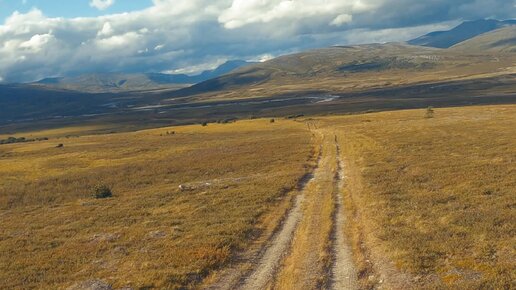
157	234
105	237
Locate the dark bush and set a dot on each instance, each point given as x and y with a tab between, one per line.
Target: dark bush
11	140
272	121
60	145
204	124
295	116
102	191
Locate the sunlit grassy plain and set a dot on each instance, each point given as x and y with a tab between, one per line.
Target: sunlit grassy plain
53	233
433	200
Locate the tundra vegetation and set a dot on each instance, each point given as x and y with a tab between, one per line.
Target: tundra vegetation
430	204
54	232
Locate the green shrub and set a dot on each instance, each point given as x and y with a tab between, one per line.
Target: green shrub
102	191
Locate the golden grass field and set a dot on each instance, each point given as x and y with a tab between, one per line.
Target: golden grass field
150	234
433	200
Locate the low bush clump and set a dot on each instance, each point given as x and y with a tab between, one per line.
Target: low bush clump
102	191
11	140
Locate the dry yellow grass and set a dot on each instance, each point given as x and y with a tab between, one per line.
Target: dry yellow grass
433	200
150	234
307	265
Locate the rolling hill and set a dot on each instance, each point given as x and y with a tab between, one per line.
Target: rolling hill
501	40
465	31
347	69
111	82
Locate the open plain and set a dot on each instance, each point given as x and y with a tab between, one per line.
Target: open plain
421	202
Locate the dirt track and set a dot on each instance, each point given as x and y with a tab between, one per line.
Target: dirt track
267	266
309	250
343	271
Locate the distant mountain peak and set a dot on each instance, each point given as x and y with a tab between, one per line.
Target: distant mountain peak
464	31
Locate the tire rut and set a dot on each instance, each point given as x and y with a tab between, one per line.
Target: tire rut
266	268
266	264
343	271
267	260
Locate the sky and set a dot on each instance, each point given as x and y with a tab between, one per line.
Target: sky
52	38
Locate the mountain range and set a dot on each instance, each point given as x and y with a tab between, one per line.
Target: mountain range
125	82
484	62
361	67
470	35
465	31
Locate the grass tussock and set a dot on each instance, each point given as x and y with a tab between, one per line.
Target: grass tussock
433	198
150	233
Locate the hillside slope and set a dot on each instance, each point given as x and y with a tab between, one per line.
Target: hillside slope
347	69
501	40
465	31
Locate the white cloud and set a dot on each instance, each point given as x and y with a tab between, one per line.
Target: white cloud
115	42
244	12
363	36
37	42
265	57
262	58
193	35
107	30
102	4
342	19
195	69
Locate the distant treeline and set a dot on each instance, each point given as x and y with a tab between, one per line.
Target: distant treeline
10	140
